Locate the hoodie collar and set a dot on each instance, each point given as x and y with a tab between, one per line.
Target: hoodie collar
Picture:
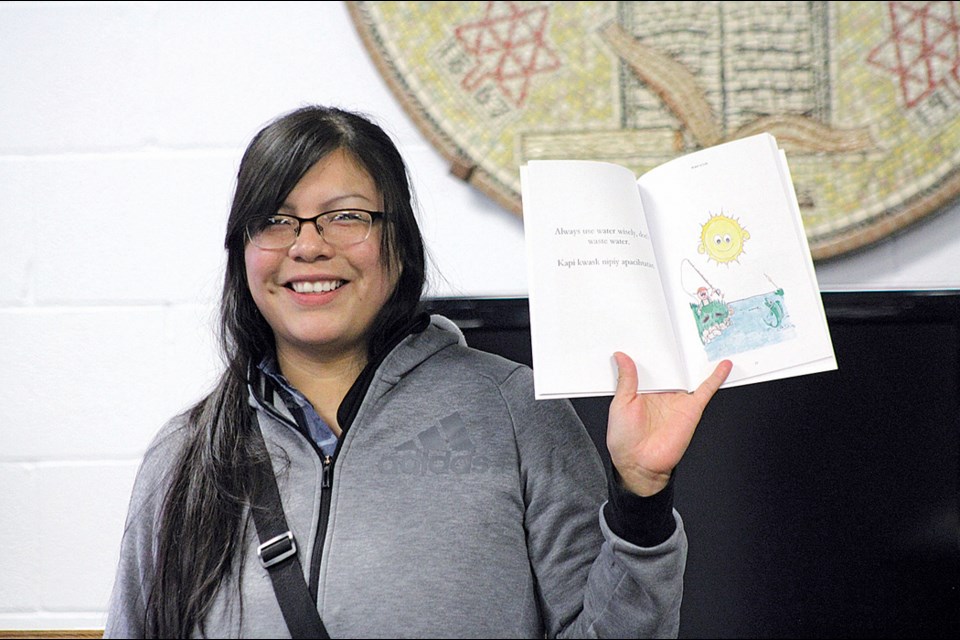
421	339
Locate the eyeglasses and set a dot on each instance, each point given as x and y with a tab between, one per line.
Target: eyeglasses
339	228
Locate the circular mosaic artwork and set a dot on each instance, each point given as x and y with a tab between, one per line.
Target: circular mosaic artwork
864	97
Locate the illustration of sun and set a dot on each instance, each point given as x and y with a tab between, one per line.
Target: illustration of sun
722	238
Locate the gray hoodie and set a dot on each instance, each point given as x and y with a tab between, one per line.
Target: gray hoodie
459	507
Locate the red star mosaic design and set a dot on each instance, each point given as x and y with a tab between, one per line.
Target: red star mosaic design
508	47
923	50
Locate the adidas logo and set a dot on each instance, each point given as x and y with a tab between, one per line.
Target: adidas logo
445	448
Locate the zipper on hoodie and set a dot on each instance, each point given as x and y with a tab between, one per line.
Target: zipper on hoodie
326	485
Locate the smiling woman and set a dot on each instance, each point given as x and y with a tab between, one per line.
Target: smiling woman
321	292
358	468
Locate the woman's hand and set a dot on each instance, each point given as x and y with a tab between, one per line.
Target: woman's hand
648	433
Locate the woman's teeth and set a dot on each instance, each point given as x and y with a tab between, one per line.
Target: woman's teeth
316	287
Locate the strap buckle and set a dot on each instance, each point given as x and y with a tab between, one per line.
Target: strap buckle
277	549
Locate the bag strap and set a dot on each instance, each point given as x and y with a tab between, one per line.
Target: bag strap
278	549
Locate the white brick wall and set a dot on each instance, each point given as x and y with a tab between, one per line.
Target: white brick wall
121	125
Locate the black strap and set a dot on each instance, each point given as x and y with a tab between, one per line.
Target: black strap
278	549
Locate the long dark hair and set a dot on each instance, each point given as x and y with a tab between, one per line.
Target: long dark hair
201	523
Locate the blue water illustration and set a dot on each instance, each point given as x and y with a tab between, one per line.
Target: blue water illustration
754	322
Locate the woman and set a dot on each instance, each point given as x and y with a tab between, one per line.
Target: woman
426	492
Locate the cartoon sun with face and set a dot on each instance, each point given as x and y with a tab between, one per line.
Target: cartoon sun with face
722	238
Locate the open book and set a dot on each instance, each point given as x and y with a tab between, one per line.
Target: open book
701	259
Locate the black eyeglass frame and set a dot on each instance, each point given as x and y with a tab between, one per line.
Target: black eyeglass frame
374	216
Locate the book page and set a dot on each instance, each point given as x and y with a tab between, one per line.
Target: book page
825	363
737	271
594	286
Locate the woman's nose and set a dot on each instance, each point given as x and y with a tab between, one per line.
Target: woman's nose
310	244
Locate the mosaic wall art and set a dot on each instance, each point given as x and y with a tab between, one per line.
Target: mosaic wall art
863	96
